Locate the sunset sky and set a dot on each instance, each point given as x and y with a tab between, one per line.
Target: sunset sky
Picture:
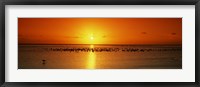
100	30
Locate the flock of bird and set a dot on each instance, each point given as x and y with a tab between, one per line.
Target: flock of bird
113	49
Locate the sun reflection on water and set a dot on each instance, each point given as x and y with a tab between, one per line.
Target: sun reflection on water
91	59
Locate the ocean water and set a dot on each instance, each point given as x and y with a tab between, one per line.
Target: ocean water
99	57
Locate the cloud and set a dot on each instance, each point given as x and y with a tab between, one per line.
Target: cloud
173	33
144	32
72	37
76	37
104	36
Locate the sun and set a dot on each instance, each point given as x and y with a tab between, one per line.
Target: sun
91	38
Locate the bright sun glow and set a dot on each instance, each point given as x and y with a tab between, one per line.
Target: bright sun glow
91	38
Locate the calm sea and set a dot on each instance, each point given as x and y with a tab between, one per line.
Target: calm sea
99	57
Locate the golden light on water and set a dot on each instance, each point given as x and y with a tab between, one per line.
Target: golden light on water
91	64
91	46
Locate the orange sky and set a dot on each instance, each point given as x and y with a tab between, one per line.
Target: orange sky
100	30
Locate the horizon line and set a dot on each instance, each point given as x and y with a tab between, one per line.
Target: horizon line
99	44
